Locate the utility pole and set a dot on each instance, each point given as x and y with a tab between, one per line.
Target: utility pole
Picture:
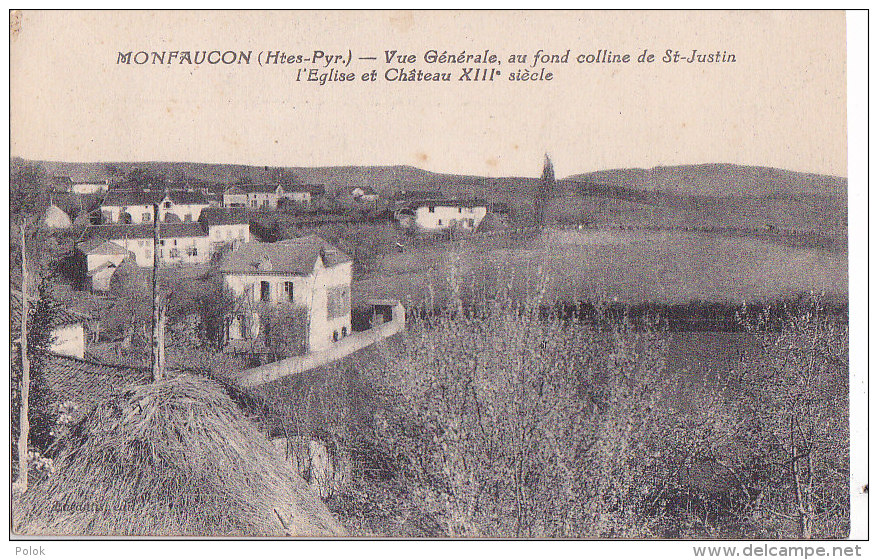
158	338
24	420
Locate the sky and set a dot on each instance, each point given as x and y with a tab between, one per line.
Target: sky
781	104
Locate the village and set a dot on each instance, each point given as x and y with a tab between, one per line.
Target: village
187	230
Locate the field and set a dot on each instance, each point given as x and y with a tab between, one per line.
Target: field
628	266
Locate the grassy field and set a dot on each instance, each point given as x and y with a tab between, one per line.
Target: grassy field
613	265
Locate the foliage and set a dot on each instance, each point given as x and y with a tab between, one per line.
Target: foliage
499	421
795	398
39	339
285	331
28	188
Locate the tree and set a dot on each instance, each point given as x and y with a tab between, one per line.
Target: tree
285	331
28	189
544	192
796	399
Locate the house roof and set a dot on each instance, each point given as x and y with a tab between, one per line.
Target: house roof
89	181
258	188
416	195
233	190
87	382
366	190
100	246
447	202
223	216
295	257
145	231
141	198
62	316
312	189
188	197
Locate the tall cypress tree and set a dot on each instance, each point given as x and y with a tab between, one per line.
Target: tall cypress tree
544	192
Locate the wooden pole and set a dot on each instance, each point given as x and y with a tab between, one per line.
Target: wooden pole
24	420
158	354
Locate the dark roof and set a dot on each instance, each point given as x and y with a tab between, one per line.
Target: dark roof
140	198
87	382
188	197
133	198
296	188
234	190
449	202
291	256
63	316
89	180
145	231
416	195
257	188
62	181
99	246
223	216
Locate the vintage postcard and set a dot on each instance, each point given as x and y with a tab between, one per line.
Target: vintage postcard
435	274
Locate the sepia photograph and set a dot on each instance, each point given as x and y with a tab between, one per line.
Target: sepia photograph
412	275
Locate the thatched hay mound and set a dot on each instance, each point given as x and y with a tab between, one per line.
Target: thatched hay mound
171	458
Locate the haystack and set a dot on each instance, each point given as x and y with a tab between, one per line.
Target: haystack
171	458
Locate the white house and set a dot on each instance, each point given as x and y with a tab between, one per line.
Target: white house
226	225
302	194
305	273
67	327
234	197
181	242
262	196
438	215
98	260
137	207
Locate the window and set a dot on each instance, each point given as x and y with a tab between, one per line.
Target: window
264	291
162	242
338	302
439	221
289	289
168	204
459	210
192	251
344	332
471	222
253	204
335	336
175	253
148	253
147	217
431	209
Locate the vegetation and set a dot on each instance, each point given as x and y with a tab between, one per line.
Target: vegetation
503	423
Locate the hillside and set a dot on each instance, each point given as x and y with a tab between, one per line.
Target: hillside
719	179
704	179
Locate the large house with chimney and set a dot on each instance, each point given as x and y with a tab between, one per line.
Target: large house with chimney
305	273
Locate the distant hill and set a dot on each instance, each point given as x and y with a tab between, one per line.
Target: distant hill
713	179
719	179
